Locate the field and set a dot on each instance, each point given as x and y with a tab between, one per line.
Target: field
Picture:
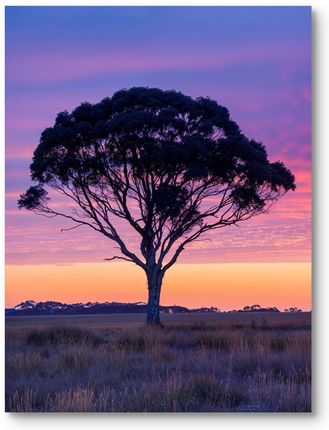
243	362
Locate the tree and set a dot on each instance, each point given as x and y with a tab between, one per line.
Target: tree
171	167
293	310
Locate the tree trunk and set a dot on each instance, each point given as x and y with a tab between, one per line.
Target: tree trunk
154	280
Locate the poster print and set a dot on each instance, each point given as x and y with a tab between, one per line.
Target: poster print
158	198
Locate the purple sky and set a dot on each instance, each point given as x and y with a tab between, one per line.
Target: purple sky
256	61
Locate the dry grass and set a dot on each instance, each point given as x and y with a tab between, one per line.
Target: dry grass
210	363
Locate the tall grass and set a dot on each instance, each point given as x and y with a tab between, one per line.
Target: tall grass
225	364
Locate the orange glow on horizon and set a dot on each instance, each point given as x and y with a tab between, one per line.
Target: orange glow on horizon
227	286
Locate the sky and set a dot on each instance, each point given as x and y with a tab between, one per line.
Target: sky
256	61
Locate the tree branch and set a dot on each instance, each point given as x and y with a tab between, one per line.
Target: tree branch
117	257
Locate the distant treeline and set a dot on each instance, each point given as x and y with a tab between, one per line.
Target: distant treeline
31	307
258	308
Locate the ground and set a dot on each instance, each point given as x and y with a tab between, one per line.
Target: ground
238	362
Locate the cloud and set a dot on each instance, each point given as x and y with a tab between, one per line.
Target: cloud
65	65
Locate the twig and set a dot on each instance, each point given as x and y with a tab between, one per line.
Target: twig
118	258
71	228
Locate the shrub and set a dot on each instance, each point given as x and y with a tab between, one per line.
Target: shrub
63	336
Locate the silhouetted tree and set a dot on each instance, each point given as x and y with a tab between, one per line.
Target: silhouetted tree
293	310
272	309
171	167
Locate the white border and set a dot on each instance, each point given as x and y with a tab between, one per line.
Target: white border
320	260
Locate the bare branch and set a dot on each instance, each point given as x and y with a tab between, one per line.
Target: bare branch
72	228
117	257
